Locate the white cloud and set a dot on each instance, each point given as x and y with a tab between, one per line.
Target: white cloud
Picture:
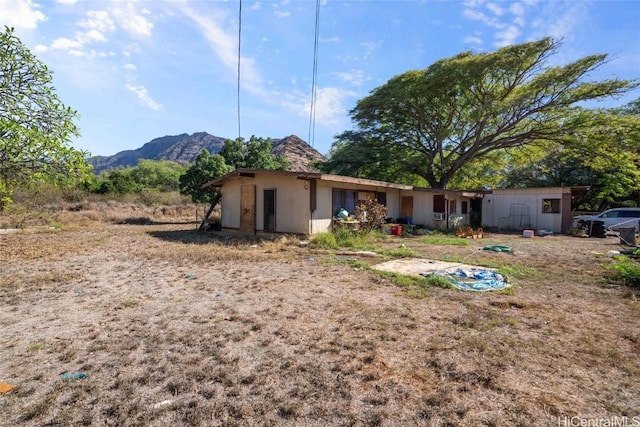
23	14
518	11
65	44
97	20
256	6
131	67
495	8
225	45
93	35
131	21
330	105
508	28
282	14
476	15
67	1
508	36
40	48
472	40
96	23
144	97
354	77
370	48
558	20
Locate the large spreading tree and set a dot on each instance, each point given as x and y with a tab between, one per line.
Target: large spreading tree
445	120
35	126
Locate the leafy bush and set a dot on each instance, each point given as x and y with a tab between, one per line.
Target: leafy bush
625	271
371	214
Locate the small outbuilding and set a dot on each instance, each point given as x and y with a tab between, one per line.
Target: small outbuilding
516	209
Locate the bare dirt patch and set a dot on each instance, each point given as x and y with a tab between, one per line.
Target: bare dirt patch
175	327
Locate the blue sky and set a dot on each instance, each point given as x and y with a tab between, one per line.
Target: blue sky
137	70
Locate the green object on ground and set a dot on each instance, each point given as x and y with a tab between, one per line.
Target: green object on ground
497	248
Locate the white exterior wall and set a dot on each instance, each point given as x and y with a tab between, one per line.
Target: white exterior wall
394	198
508	209
292	202
230	202
423	209
323	215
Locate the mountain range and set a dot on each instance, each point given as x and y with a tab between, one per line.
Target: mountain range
185	148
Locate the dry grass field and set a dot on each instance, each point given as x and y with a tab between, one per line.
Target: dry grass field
173	327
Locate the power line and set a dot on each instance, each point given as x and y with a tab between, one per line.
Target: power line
239	45
312	112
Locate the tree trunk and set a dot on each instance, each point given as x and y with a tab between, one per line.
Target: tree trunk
213	204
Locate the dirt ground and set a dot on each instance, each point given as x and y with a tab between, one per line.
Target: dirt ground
170	326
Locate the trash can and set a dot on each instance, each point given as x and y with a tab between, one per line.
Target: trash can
628	236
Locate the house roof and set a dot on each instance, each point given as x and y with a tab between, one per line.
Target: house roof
462	193
218	182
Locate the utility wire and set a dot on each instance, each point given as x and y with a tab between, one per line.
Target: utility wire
239	45
312	112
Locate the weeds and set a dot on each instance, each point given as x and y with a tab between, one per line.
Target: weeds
399	253
625	271
444	241
344	238
416	286
38	346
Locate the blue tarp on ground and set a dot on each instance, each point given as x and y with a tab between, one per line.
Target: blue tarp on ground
474	279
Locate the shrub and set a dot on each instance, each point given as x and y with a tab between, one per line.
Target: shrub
371	214
625	271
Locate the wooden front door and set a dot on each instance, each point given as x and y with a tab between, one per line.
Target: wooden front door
406	206
248	209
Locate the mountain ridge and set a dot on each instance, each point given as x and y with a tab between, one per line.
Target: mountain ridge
184	148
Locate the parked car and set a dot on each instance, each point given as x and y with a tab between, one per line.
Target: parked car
613	219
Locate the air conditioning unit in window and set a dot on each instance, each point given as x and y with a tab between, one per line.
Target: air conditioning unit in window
438	216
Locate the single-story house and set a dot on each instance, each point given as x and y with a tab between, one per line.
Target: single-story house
307	202
296	202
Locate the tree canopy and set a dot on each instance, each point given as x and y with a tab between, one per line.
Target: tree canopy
604	156
439	122
35	126
253	154
207	167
